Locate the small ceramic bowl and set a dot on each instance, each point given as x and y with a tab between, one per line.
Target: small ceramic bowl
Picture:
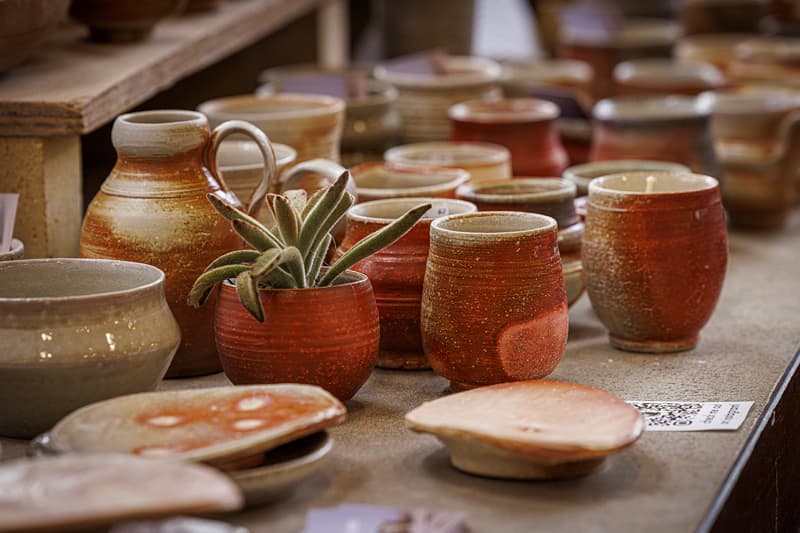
482	160
378	181
76	331
581	175
17	251
242	165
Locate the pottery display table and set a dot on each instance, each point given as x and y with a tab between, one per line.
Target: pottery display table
71	87
668	481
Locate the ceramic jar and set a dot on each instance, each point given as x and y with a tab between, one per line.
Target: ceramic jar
757	138
664	128
526	126
553	197
379	181
122	22
481	160
17	251
582	175
494	307
152	208
423	99
77	331
654	262
325	336
311	124
397	272
666	76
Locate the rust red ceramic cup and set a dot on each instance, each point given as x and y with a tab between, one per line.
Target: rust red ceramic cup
494	308
397	272
654	262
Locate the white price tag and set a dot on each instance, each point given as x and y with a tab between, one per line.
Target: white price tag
437	211
693	416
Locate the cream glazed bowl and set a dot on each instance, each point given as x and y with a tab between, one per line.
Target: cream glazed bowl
77	331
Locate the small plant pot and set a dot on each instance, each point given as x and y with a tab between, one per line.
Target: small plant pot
666	76
397	272
325	336
17	251
379	181
654	262
494	308
482	160
582	175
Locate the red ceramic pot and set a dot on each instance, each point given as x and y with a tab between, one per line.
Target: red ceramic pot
396	273
326	336
494	308
654	261
526	126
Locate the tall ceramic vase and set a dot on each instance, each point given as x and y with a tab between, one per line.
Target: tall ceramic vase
153	209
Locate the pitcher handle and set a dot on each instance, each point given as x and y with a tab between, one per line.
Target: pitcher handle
264	145
324	167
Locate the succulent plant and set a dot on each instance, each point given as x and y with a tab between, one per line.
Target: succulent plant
292	253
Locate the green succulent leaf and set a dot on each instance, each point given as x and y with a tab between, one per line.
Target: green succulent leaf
234	258
253	235
206	281
266	262
232	213
279	279
374	243
298	198
288	221
320	212
315	198
318	258
291	257
247	289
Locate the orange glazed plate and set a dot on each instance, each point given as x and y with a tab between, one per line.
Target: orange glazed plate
530	429
229	427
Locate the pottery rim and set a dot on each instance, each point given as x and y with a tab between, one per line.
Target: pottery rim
755	101
633	184
518	189
547	71
17	250
386	210
284	155
504	110
255	108
494	226
582	174
637	108
637	32
250	477
449	153
656	72
159	132
460	71
443	179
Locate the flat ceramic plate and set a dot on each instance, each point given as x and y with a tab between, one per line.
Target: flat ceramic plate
219	426
80	491
530	429
283	468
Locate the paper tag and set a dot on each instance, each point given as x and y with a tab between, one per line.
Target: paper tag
437	211
693	416
359	518
8	214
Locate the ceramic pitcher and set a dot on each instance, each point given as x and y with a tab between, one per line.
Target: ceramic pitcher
153	209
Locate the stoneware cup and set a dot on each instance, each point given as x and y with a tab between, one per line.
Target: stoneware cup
494	308
482	160
581	175
397	272
654	254
526	126
378	181
77	331
17	251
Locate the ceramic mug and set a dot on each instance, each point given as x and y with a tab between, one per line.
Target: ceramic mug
654	254
494	307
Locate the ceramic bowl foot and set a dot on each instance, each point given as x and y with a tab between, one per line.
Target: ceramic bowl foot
642	346
403	360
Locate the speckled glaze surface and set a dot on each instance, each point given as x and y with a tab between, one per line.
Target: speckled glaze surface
379	181
664	128
654	263
482	160
153	208
325	336
581	175
494	308
397	273
526	126
17	251
77	331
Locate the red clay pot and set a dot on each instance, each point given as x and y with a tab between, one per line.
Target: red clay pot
526	126
397	272
654	262
494	308
326	336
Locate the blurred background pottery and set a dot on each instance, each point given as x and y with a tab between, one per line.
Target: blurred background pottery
77	331
721	16
768	61
397	273
311	124
424	98
378	181
581	175
654	262
324	336
494	308
666	76
24	25
757	138
665	128
196	6
153	208
715	48
416	25
526	126
122	21
17	251
481	160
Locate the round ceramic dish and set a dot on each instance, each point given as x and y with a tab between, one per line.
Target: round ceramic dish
17	251
77	331
582	175
666	76
379	181
482	160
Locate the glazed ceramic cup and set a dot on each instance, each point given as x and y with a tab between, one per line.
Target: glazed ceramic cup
582	175
654	262
77	331
494	308
378	181
666	76
526	126
397	272
664	128
770	61
241	165
17	251
482	160
311	124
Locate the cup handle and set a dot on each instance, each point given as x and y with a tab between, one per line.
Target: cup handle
270	166
328	169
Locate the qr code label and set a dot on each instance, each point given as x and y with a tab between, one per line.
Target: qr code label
693	416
